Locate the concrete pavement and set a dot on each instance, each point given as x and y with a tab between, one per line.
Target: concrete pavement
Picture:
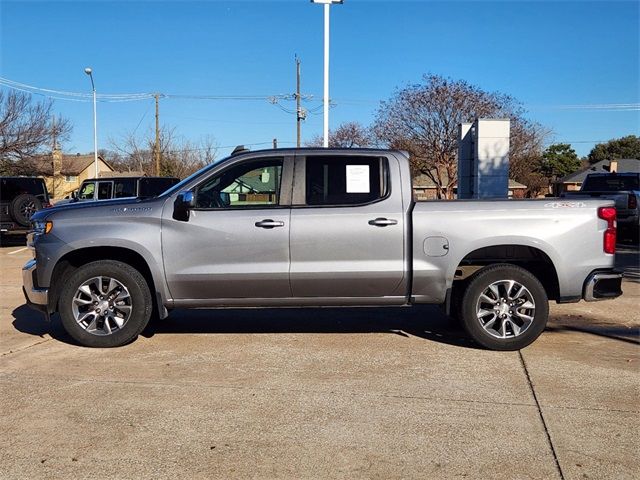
317	393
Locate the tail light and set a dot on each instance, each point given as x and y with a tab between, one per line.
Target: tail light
633	202
609	214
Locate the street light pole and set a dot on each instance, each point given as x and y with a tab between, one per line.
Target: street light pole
327	5
89	72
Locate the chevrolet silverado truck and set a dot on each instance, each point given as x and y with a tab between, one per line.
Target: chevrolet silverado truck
317	227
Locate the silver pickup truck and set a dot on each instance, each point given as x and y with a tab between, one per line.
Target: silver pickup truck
317	227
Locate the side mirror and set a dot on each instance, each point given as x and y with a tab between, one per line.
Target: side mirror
185	201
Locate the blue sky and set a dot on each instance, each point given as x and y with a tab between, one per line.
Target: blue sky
546	54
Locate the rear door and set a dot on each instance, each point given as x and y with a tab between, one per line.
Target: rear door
347	228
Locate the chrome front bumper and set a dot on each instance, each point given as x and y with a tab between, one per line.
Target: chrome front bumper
603	285
36	297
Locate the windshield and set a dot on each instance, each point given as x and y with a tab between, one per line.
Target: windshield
179	186
610	183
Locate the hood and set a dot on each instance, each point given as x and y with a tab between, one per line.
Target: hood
97	205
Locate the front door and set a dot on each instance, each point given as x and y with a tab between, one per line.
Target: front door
347	229
235	243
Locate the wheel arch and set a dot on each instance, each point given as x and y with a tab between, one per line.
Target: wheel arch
531	258
74	259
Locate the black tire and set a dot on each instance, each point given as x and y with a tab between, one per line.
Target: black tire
139	300
479	283
22	207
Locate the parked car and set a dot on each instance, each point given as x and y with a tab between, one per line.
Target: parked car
317	227
623	189
122	187
20	197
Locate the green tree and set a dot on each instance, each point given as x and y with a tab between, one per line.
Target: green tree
625	147
559	160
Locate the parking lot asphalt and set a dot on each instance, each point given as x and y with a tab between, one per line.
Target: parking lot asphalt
321	393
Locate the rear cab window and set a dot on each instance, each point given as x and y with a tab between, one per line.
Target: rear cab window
611	183
344	180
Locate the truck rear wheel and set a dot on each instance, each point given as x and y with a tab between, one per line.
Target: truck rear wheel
105	304
504	307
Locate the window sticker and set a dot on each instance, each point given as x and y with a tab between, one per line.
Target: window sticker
357	178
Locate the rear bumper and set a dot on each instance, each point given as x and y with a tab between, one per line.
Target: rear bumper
602	285
37	298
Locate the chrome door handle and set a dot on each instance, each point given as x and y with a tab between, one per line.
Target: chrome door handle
382	222
268	223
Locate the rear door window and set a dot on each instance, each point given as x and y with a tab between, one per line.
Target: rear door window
347	180
104	190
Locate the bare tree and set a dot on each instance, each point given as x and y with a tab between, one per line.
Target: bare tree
26	130
347	135
179	157
423	119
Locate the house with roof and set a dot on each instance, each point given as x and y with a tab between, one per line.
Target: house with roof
64	173
425	189
573	181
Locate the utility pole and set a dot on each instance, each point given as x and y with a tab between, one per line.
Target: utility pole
299	113
275	143
156	146
53	156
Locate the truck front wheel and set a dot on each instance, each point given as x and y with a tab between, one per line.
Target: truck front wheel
105	304
504	307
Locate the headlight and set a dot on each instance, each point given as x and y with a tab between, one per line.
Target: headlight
42	227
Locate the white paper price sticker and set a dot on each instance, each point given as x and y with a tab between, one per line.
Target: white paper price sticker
357	178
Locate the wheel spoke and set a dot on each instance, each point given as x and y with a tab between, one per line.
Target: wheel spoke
112	286
502	331
85	316
123	295
514	327
526	319
491	322
93	325
118	320
519	293
81	301
86	290
484	312
488	299
106	326
509	287
494	289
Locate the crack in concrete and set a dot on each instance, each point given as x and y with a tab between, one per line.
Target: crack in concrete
544	423
24	348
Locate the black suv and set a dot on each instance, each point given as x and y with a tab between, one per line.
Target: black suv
21	197
120	187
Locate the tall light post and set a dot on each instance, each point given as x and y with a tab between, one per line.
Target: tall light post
89	72
327	5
